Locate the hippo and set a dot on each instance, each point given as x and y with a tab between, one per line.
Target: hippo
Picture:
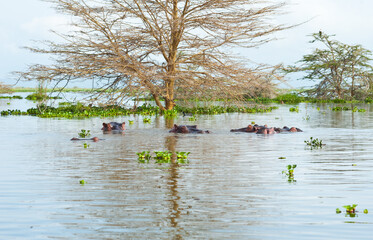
95	139
287	129
113	126
265	129
187	129
250	128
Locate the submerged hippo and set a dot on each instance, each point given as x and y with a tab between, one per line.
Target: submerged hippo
95	139
265	129
113	126
187	129
287	129
254	129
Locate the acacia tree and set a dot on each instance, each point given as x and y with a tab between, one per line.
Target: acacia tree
162	47
340	69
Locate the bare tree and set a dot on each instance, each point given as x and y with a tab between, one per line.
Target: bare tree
168	48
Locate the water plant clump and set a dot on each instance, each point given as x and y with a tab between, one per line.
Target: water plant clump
84	133
290	172
40	96
213	110
289	98
192	118
147	120
294	109
350	210
144	156
170	113
85	145
11	97
163	156
314	143
182	157
78	110
82	182
307	118
14	112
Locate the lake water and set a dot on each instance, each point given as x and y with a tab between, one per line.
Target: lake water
232	187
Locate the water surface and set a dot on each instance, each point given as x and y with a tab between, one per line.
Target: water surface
232	188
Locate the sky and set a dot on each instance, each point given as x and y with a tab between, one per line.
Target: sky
24	21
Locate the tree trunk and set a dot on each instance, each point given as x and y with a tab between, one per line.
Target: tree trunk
171	69
158	102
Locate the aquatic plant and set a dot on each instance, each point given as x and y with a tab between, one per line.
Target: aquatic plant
82	182
147	120
182	157
14	112
85	145
163	156
282	158
290	172
192	118
78	110
307	118
350	208
11	97
65	103
130	121
144	156
171	113
40	96
294	109
314	143
84	133
361	110
289	98
212	110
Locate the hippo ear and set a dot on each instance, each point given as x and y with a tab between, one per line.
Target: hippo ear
104	125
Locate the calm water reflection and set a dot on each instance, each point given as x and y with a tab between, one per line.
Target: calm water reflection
232	187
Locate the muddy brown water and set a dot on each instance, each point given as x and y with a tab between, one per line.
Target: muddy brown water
232	187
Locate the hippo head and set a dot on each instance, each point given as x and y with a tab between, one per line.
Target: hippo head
122	126
250	128
174	129
106	127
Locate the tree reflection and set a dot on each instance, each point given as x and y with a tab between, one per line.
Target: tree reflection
174	211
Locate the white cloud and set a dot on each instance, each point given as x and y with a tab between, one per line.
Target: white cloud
43	25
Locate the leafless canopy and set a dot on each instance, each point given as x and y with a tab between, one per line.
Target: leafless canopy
167	48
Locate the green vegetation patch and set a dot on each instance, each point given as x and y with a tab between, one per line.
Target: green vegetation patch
11	97
81	111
